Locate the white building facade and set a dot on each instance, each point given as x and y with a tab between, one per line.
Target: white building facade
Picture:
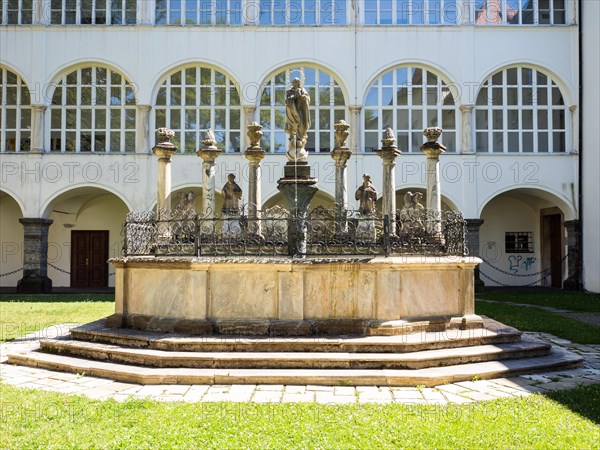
85	83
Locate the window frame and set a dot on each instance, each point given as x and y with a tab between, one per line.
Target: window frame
229	133
22	110
450	135
396	12
520	9
336	111
20	12
128	15
126	109
521	108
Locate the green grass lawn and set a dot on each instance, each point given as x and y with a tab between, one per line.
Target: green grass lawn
35	419
573	301
528	318
20	315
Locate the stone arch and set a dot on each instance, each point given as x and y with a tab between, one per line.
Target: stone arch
11	238
321	198
523	238
83	208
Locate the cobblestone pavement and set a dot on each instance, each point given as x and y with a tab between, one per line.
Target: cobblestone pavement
456	393
590	318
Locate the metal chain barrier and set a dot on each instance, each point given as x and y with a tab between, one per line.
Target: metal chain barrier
533	283
10	273
69	273
505	272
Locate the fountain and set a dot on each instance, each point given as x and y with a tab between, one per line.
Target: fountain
198	294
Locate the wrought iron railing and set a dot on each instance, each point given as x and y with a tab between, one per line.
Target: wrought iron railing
274	232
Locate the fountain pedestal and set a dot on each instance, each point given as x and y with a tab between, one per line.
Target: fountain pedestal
298	188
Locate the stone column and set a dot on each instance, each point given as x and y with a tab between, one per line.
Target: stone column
209	153
341	154
146	12
355	127
433	149
142	129
254	154
248	119
574	129
573	281
388	154
35	257
473	226
464	12
37	128
164	149
467	129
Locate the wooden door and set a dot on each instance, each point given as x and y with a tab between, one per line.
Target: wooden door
552	247
89	253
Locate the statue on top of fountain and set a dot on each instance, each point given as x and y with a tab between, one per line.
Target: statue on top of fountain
297	121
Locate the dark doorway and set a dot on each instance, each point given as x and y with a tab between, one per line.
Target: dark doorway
89	253
552	247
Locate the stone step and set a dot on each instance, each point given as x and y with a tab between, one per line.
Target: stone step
492	333
295	360
557	359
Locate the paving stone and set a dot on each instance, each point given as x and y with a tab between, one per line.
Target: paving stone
151	390
97	393
453	389
476	395
433	396
218	389
177	389
216	397
407	394
345	390
327	398
558	385
312	387
270	387
458	399
117	386
308	396
295	389
264	396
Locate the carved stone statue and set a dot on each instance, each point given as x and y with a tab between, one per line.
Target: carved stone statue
297	121
186	205
367	196
233	195
411	215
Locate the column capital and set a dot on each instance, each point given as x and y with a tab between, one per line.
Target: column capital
572	225
254	155
355	108
209	155
474	224
341	155
143	107
249	110
40	108
31	221
467	107
432	152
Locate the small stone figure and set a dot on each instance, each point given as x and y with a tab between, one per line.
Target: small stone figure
367	196
411	213
233	195
297	121
186	205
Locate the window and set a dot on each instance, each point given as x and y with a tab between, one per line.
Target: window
15	113
518	242
16	12
198	12
197	98
93	12
520	12
302	12
93	110
409	99
327	106
520	110
411	12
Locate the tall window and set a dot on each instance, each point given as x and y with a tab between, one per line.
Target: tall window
16	12
194	99
327	106
409	99
520	12
411	12
303	12
93	12
93	110
198	12
15	113
520	110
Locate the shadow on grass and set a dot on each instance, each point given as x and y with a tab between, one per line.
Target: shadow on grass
584	401
50	298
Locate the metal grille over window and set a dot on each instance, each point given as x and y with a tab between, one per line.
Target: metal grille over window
520	12
327	106
15	113
93	12
518	242
197	98
412	12
408	99
520	110
93	110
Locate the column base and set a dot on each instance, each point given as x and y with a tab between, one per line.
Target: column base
572	284
34	285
